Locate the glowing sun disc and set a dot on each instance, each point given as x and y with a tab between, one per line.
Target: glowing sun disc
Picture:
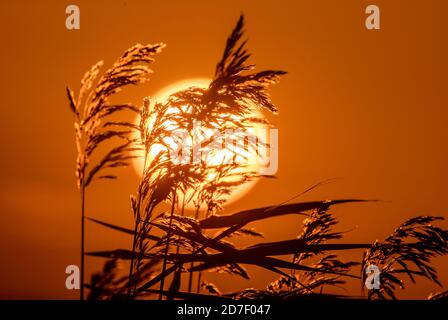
161	96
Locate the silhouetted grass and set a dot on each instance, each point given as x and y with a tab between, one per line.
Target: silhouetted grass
91	110
184	245
408	252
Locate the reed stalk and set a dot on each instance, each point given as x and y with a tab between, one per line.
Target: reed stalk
167	246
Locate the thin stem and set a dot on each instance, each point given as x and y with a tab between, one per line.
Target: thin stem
198	288
162	282
199	282
190	279
137	220
82	240
131	268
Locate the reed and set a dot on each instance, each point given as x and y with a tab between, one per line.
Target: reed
92	110
203	242
407	252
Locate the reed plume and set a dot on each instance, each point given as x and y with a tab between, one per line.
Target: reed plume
92	109
408	252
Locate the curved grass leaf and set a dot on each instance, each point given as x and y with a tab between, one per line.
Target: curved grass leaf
121	229
246	216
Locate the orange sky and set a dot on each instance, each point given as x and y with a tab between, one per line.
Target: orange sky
368	107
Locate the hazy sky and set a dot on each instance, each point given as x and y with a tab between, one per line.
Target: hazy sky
368	107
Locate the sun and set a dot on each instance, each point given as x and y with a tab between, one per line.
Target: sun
250	162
